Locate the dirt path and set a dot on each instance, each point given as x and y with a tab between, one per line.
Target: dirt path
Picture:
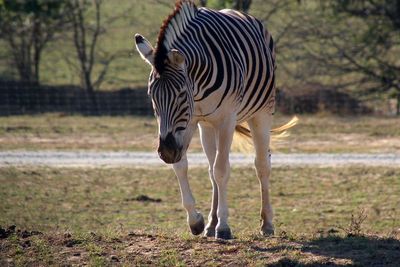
85	158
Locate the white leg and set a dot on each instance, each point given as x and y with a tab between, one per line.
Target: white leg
260	127
207	135
195	219
224	133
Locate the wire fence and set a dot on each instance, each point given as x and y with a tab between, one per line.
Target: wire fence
17	98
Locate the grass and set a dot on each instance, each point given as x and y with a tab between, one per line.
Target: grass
92	216
313	134
59	132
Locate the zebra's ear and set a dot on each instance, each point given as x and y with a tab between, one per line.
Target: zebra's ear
176	57
145	49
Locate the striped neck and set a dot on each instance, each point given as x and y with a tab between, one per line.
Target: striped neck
172	29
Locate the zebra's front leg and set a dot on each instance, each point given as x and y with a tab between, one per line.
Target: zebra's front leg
195	219
208	142
224	135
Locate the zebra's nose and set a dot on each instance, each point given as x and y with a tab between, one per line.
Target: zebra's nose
168	149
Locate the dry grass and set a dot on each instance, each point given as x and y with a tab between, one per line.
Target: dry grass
312	134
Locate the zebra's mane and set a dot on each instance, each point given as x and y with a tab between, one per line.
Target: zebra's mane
171	29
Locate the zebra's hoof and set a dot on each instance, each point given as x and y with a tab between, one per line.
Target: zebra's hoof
267	231
210	231
198	227
223	234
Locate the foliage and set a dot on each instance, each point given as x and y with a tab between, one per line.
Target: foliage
242	5
376	43
27	27
338	45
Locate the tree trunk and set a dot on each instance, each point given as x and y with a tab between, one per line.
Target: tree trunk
22	58
36	51
398	104
87	84
242	5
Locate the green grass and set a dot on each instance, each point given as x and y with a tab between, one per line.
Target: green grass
305	199
322	133
89	213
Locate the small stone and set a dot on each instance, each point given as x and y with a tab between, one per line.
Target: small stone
67	235
25	234
3	233
131	234
114	258
26	244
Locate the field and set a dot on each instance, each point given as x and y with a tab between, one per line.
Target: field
323	133
125	216
132	215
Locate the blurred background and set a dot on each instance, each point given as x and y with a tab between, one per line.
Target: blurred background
77	57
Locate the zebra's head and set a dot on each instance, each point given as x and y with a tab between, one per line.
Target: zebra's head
172	100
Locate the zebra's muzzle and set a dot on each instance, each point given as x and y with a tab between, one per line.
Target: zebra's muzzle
168	149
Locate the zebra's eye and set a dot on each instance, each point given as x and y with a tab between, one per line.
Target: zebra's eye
178	129
181	94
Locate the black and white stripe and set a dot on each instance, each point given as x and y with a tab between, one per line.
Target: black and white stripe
230	61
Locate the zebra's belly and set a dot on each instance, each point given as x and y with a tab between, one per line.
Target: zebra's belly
232	107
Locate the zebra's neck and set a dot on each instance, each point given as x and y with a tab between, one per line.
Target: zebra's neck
172	29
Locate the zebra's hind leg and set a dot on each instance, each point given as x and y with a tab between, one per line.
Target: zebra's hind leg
207	135
260	126
194	218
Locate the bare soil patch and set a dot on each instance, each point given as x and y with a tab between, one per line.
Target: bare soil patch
155	249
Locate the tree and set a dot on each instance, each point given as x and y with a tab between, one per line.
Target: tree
378	41
342	45
353	42
86	30
241	5
27	27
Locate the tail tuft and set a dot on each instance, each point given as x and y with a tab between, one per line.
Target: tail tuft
242	141
286	126
243	131
242	138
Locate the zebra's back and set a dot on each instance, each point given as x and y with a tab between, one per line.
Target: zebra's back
237	62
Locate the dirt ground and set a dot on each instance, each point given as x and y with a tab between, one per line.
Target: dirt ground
33	248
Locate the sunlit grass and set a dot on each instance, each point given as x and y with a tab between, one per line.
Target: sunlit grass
305	199
321	133
90	216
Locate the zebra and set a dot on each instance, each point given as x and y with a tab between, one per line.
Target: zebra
214	70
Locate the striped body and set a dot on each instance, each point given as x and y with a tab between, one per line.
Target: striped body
230	62
214	70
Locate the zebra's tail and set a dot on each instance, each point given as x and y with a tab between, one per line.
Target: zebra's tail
242	138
